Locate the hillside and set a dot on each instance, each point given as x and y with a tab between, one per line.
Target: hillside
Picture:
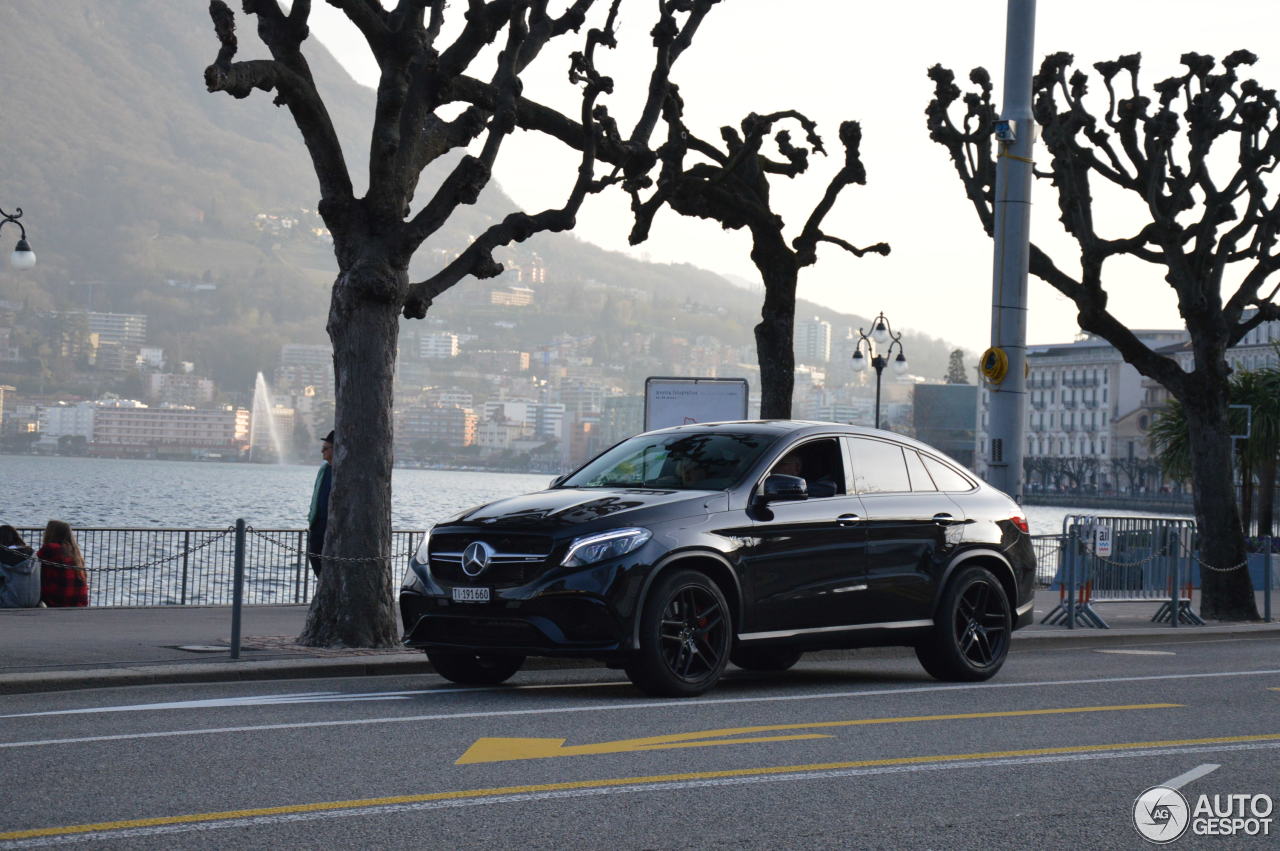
138	185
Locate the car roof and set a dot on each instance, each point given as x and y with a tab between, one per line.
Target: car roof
803	428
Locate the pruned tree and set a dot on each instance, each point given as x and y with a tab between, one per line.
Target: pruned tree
429	103
956	373
1207	211
730	185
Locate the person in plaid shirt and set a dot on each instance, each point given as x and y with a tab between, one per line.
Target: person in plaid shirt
63	581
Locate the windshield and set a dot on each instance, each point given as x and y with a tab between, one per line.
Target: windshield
705	461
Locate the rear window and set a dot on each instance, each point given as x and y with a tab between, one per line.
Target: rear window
682	461
878	467
945	477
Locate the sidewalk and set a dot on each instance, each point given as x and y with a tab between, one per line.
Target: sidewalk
54	649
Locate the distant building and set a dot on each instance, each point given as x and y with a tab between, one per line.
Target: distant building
512	297
65	420
500	362
180	389
145	431
435	345
813	341
302	366
448	397
946	416
448	425
621	417
127	329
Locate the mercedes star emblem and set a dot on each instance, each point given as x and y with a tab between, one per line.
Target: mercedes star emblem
475	558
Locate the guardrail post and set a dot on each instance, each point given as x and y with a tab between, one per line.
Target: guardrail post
1268	579
1072	542
1175	594
238	590
186	554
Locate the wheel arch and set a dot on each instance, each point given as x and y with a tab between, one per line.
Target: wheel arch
992	560
715	566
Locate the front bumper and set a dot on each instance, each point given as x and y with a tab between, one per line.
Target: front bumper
566	625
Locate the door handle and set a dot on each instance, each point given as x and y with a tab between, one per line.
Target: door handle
945	519
848	520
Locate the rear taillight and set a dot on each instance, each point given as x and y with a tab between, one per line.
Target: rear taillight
1021	523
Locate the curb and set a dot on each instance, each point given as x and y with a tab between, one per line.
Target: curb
401	664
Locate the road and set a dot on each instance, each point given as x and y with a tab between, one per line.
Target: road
862	751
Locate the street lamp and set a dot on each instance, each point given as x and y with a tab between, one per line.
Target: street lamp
880	345
22	257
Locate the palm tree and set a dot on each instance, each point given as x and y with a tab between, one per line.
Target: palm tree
1260	390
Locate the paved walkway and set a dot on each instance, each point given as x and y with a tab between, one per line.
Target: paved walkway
49	649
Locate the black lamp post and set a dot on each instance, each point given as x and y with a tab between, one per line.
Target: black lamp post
880	345
22	257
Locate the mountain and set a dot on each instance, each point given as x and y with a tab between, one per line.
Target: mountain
143	193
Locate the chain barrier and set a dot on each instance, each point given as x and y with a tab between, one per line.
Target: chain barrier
303	552
174	557
1192	553
1103	559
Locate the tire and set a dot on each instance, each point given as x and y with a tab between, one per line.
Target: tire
685	636
481	669
970	639
765	658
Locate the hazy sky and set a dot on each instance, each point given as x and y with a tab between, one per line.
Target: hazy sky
842	59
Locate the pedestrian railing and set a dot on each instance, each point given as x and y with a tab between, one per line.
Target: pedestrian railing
196	567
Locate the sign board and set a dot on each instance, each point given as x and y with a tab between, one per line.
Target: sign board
1102	540
680	401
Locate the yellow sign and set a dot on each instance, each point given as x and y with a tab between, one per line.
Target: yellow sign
506	750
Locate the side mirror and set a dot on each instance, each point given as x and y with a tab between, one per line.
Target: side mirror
555	483
780	488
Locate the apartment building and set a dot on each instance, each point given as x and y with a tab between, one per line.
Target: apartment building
143	431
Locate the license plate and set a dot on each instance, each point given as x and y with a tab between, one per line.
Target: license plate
470	595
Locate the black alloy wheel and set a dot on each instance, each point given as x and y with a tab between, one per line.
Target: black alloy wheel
764	658
970	639
685	634
480	669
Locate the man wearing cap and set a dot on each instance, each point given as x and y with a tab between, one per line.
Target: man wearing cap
318	516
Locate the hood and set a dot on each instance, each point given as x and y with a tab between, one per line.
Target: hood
563	507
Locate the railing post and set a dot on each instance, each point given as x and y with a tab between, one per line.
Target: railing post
186	554
1175	596
1268	579
238	592
1072	542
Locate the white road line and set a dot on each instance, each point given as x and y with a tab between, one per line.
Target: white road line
615	707
1194	774
1139	652
258	821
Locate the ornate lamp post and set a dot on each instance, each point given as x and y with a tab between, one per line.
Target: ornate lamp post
22	257
880	345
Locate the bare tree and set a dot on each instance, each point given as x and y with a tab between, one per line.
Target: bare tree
417	121
1207	212
730	185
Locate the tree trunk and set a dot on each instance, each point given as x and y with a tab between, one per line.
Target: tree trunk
354	604
1225	589
775	334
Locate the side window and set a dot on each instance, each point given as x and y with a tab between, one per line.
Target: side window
946	478
920	480
878	467
818	462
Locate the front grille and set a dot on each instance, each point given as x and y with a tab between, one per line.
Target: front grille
516	558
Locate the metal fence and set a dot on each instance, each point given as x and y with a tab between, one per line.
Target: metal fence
195	567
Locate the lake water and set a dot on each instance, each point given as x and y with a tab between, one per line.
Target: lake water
179	494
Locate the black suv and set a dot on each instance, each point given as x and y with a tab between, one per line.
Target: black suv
677	551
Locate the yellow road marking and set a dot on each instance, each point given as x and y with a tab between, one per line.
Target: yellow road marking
508	749
612	782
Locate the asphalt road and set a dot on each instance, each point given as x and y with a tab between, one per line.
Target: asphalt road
858	753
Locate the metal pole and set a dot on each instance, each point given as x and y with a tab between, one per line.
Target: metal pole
1008	397
879	372
186	555
1072	543
237	597
1267	581
1175	597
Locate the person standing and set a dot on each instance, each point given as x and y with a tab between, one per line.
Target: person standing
63	580
318	516
19	571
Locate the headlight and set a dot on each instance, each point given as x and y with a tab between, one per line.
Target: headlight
594	548
420	555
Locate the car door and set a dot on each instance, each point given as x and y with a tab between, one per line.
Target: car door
805	567
911	530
